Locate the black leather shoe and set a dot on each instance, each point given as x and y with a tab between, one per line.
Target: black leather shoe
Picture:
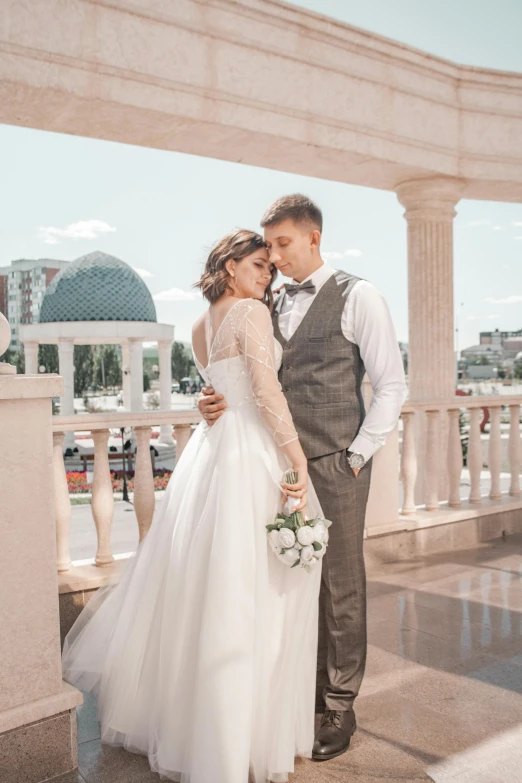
334	735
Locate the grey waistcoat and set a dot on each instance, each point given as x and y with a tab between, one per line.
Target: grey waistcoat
322	372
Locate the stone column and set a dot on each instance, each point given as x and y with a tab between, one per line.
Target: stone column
31	358
126	375
136	375
37	709
430	210
66	366
165	373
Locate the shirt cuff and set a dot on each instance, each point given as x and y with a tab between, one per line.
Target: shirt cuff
364	446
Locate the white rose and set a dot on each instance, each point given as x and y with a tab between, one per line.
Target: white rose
290	556
319	553
286	538
273	539
307	553
313	561
319	532
305	535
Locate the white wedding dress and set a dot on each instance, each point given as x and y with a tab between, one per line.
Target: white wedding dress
203	656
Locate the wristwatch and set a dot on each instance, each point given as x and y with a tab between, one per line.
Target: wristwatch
355	460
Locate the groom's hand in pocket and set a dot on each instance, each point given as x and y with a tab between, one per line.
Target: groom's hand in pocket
211	405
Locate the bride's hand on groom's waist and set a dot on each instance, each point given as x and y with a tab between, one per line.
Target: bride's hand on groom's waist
211	405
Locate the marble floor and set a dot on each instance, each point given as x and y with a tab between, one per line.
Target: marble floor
442	696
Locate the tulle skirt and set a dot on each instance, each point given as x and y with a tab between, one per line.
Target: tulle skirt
203	656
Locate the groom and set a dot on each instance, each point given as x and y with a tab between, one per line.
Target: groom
333	327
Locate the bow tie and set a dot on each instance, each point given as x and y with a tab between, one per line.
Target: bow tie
292	289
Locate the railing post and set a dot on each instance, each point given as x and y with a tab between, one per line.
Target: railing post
495	452
474	456
102	497
143	481
408	463
182	433
432	460
455	461
62	505
514	449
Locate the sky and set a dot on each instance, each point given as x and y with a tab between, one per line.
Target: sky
64	196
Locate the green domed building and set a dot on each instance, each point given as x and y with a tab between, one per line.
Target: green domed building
97	287
99	299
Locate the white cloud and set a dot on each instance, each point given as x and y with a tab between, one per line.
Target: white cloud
176	295
507	300
83	229
499	228
517	223
334	255
491	317
518	237
142	272
473	317
479	223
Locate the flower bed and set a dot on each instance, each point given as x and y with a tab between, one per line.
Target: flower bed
77	480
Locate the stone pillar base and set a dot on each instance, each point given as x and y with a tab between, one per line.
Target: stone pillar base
39	740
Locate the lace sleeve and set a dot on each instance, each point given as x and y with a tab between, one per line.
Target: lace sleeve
255	335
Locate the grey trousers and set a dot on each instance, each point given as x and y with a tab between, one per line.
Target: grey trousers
342	601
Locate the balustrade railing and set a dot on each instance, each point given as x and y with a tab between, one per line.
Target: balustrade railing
102	502
440	423
443	417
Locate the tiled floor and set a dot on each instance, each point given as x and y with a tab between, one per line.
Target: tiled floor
442	696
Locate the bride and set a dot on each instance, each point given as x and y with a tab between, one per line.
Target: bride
203	656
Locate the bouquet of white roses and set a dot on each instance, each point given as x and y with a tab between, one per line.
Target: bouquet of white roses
294	540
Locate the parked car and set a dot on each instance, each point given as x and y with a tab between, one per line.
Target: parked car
175	388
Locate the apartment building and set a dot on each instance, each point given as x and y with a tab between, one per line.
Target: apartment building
22	286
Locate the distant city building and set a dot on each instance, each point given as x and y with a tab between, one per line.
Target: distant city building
476	353
22	286
497	337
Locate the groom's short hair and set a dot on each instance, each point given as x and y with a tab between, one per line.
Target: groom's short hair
296	207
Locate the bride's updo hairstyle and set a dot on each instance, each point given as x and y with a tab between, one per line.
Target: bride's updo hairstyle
215	280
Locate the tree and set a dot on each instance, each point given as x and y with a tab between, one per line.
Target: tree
83	368
48	357
107	366
15	357
182	363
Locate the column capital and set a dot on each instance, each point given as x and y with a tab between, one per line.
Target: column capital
432	199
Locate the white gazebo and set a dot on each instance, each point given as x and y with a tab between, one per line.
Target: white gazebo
100	300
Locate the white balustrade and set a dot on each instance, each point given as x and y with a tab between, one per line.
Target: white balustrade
495	452
455	461
408	462
474	456
432	459
451	408
102	502
143	481
514	448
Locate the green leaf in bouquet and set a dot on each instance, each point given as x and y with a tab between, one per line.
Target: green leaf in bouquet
288	524
317	546
272	527
296	563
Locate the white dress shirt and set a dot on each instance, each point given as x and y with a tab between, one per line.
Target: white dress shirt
366	321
